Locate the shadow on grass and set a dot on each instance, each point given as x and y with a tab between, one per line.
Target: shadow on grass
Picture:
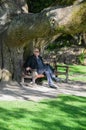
63	113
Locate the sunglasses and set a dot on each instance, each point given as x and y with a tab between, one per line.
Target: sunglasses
36	51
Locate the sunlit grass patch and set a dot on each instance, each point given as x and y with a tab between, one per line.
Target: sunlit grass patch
64	113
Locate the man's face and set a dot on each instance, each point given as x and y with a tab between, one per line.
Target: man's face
36	52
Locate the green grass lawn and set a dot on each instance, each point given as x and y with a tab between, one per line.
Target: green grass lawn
76	73
64	113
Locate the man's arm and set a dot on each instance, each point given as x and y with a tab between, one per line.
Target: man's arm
27	64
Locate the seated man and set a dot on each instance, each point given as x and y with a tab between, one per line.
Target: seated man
35	62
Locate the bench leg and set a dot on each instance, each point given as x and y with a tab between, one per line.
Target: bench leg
22	79
34	76
34	80
66	78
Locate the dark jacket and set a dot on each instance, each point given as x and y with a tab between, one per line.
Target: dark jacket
32	62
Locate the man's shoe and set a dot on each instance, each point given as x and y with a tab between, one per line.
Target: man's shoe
56	79
53	86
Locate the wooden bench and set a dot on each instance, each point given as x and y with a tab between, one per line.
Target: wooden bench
33	75
64	72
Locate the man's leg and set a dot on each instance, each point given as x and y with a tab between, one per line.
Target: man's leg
50	70
48	75
50	81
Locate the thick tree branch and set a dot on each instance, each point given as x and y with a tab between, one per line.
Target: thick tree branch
49	22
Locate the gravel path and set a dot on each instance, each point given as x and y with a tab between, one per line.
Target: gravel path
14	91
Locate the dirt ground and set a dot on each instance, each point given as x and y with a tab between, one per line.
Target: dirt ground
14	91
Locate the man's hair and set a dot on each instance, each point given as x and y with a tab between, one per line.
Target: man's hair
36	49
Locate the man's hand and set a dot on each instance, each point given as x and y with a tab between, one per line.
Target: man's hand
28	68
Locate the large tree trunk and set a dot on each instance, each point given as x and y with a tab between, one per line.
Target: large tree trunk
10	62
18	28
10	58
